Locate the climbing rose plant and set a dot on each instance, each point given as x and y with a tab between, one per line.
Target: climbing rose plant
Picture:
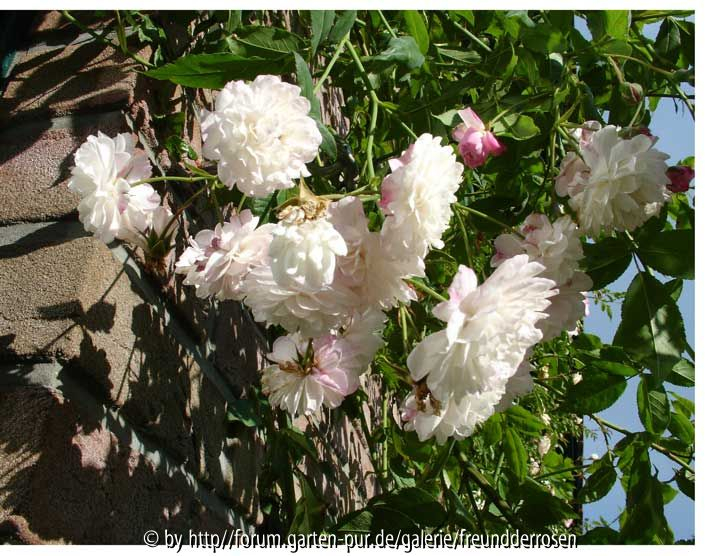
490	174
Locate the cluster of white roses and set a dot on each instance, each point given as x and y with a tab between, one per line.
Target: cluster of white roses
319	273
324	277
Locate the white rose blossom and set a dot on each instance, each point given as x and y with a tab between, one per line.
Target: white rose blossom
557	246
302	255
260	134
161	220
217	261
312	314
417	195
453	418
615	184
567	307
489	329
308	375
519	384
105	169
370	268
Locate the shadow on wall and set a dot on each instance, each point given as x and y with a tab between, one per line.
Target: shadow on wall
64	477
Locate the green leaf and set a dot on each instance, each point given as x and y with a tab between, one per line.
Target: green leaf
417	504
300	443
682	374
683	405
651	329
671	252
682	428
321	23
305	83
540	508
613	23
544	39
415	24
270	42
644	521
358	522
212	71
234	21
519	127
243	411
402	50
522	420
309	510
653	406
605	261
459	514
328	145
686	483
668	40
595	392
492	430
342	26
600	482
515	453
464	56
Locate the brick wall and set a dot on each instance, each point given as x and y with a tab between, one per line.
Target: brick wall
114	388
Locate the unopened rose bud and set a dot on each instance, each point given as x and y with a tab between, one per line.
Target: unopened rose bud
632	93
475	142
680	178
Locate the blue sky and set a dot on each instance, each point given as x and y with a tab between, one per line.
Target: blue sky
676	131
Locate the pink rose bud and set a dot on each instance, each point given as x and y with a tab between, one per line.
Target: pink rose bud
475	142
492	145
680	178
472	148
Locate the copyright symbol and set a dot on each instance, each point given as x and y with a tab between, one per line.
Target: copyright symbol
151	538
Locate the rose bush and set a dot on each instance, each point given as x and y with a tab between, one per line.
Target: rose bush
495	175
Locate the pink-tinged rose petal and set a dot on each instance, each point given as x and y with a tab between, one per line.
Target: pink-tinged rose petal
680	178
492	145
459	132
471	119
472	149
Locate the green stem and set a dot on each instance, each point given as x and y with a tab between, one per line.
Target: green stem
427	289
387	25
331	63
489	491
560	471
639	109
159	179
466	239
266	213
638	61
657	447
103	40
385	460
484	216
471	36
185	205
374	101
363	198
